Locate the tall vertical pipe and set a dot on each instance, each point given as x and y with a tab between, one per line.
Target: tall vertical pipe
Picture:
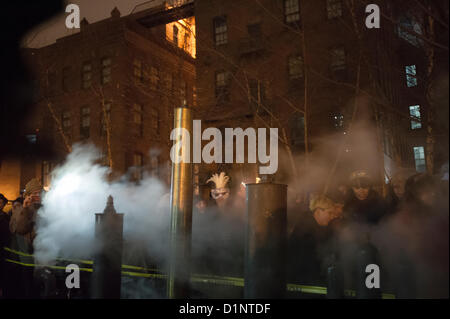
181	213
265	251
107	267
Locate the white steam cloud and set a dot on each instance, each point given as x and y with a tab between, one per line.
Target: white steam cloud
79	190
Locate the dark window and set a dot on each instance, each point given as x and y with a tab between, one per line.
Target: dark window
295	67
106	70
297	128
67	123
85	124
154	118
408	28
138	163
291	11
138	119
334	9
137	71
338	62
183	89
87	75
65	79
222	86
154	78
220	30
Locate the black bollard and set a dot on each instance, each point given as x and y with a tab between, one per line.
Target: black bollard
335	282
265	250
107	268
367	254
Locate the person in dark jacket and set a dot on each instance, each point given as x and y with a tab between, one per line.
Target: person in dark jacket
313	240
364	205
396	190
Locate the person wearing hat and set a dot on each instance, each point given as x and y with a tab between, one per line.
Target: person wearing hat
22	228
23	218
364	204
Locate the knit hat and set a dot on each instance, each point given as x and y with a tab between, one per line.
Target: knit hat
360	178
32	186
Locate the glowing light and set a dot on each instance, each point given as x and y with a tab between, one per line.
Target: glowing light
68	184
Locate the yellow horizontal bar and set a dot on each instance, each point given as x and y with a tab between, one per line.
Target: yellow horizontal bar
223	280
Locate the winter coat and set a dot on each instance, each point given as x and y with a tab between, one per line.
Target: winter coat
369	211
23	221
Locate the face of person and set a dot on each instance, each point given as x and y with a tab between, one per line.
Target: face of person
322	216
399	188
33	198
201	206
428	197
16	205
361	193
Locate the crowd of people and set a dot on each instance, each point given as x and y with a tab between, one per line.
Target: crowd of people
329	236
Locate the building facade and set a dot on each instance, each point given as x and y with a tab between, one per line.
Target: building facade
114	84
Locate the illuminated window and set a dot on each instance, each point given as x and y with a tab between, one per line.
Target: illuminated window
414	112
295	67
175	35
106	70
220	30
291	11
419	158
334	8
411	79
87	75
85	124
187	42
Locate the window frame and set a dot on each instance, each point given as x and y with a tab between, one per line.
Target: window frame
220	30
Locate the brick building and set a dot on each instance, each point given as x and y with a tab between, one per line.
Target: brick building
113	84
336	88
